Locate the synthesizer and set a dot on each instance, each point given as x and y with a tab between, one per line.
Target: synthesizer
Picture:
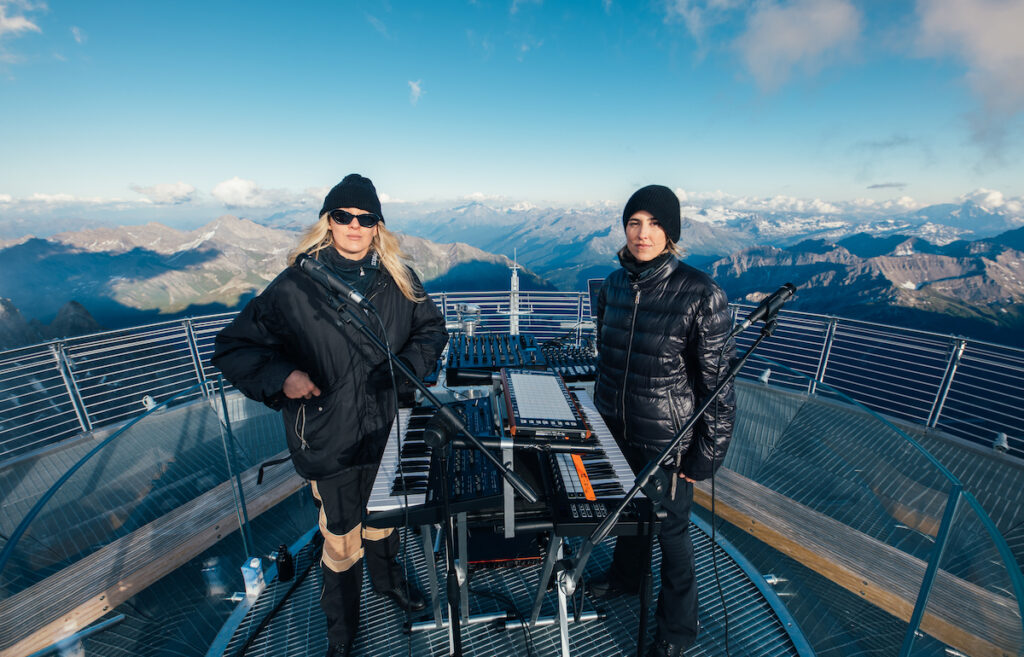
572	363
584	488
405	477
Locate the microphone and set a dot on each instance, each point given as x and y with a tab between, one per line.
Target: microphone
768	308
323	275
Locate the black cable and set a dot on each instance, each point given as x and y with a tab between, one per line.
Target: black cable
714	457
459	396
510	608
404	554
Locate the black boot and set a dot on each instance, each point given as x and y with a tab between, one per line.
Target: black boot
662	648
340	602
609	585
387	575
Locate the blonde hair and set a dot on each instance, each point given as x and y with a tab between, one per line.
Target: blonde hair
319	237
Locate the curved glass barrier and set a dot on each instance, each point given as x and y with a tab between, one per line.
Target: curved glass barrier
867	534
154	464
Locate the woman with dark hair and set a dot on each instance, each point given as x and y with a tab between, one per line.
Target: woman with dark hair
287	350
663	342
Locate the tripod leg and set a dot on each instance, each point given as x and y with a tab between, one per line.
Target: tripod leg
646	583
554	554
563	613
428	555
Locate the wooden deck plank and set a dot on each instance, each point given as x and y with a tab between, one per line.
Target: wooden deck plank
78	595
960	614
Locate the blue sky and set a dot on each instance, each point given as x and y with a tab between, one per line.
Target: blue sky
143	109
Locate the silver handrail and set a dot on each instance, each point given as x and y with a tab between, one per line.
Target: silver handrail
58	389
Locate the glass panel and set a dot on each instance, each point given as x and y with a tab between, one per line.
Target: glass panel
169	457
845	509
973	605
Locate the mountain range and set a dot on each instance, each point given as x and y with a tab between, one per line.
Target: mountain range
973	288
926	268
128	276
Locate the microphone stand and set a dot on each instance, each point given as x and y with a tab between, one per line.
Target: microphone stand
448	420
652	482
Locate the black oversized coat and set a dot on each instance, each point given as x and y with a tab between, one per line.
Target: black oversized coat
291	326
661	336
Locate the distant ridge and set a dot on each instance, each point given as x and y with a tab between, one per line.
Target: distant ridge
971	288
929	278
138	274
71	320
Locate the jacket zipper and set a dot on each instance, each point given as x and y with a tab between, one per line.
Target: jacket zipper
629	353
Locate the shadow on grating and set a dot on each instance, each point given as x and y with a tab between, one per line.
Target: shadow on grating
298	627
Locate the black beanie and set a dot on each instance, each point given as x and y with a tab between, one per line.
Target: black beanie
354	191
661	202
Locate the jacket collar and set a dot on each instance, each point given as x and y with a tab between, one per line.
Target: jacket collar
652	270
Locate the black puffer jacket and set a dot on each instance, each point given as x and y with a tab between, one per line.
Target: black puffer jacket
290	326
661	334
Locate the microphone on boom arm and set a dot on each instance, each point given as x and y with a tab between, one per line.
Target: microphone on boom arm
768	308
323	275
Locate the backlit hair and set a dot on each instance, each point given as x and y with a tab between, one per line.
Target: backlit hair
319	237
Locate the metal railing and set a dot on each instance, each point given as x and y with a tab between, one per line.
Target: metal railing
885	520
968	388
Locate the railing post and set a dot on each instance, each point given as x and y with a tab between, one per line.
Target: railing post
579	320
57	349
955	354
193	349
826	351
233	473
941	539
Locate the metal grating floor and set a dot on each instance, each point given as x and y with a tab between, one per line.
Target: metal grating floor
298	629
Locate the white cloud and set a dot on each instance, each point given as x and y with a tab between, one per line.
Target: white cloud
377	24
903	203
6	198
986	35
63	199
78	34
789	204
167	193
239	193
700	16
18	23
990	199
803	34
415	91
52	199
14	23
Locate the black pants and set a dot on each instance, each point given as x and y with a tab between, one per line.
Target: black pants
342	500
676	615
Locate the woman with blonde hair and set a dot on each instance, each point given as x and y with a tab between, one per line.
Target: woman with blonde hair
288	350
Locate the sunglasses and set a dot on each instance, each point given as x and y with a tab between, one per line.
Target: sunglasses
343	218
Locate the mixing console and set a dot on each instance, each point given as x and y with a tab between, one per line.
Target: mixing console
571	362
494	351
